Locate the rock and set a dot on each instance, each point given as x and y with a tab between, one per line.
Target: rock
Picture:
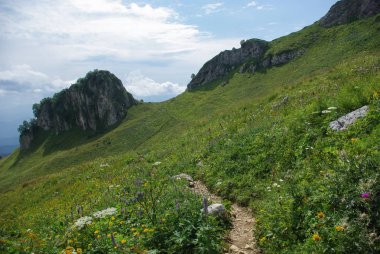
234	249
250	58
248	247
216	209
184	176
94	102
346	11
345	121
228	60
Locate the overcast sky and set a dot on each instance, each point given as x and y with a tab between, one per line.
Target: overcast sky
152	46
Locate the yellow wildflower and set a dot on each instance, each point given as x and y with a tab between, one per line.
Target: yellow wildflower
96	232
263	239
320	215
123	241
79	251
354	139
98	236
113	218
69	250
109	235
133	229
122	222
146	230
339	228
316	237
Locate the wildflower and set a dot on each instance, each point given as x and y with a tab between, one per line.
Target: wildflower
123	241
83	221
79	250
113	218
146	184
69	250
332	108
365	195
156	163
320	215
109	235
105	212
98	236
96	232
316	237
281	180
276	185
326	111
339	228
122	222
146	230
263	239
354	139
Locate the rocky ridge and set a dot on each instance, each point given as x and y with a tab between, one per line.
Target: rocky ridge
254	54
346	11
94	102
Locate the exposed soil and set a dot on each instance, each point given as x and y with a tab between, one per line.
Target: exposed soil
241	235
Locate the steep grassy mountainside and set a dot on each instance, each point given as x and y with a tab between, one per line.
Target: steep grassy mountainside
261	140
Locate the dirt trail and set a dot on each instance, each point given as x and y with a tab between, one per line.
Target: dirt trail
241	236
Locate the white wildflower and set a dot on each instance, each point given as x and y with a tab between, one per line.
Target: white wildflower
332	108
156	163
83	221
326	111
105	212
276	185
281	180
104	165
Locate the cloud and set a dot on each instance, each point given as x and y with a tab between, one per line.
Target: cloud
77	30
259	7
141	86
212	8
23	79
252	4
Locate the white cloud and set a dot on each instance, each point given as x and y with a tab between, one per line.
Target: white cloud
141	86
258	6
84	28
212	8
23	79
252	4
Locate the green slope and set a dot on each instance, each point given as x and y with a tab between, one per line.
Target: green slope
246	139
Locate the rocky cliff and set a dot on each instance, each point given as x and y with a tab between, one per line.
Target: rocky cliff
346	11
251	57
227	61
94	102
254	54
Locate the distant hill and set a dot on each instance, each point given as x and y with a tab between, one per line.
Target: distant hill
8	145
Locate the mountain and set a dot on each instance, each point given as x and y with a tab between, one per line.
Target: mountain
256	55
262	140
94	102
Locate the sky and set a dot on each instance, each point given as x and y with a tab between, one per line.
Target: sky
153	47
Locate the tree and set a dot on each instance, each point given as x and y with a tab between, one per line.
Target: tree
192	76
24	127
242	42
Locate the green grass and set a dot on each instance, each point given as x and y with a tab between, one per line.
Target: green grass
247	140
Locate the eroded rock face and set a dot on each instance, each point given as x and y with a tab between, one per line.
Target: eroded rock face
227	61
346	11
250	58
95	102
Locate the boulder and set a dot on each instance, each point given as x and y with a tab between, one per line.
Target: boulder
216	209
345	121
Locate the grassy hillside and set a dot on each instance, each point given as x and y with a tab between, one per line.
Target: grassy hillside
249	144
